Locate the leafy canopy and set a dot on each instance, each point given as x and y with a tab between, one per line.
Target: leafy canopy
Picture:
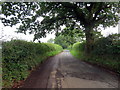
64	41
56	14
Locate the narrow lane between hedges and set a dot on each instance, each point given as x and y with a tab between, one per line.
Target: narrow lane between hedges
64	71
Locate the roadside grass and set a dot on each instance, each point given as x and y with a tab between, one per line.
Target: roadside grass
111	62
52	53
21	57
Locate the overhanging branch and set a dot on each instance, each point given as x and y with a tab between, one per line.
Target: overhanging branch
78	12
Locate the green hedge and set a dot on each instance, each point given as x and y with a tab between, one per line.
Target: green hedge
106	52
78	50
79	46
20	57
106	45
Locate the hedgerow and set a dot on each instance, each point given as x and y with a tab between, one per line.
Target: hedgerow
107	45
20	57
106	52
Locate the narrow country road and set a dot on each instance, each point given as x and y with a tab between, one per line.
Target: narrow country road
64	71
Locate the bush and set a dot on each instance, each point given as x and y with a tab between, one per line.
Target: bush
78	50
21	56
69	47
79	46
107	45
106	52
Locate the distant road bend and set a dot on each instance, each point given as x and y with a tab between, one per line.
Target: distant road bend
64	71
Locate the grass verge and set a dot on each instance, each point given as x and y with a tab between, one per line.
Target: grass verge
106	61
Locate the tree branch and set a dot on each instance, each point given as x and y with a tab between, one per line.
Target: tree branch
78	12
101	7
100	19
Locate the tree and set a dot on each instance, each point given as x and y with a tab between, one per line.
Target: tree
88	15
64	41
77	34
51	40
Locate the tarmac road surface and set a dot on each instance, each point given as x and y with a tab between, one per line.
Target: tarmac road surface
65	71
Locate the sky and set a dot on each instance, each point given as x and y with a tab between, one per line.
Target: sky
9	33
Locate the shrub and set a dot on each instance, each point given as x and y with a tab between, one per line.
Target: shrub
79	46
21	56
106	52
107	45
69	47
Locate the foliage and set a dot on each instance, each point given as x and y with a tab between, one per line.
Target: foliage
51	40
97	35
68	37
64	41
107	45
59	13
88	15
106	52
78	50
19	57
77	34
79	46
69	47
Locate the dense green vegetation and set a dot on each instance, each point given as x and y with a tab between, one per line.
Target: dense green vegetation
64	41
106	52
76	15
81	19
20	57
68	37
51	40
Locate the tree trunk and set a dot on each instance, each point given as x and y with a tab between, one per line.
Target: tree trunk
89	39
